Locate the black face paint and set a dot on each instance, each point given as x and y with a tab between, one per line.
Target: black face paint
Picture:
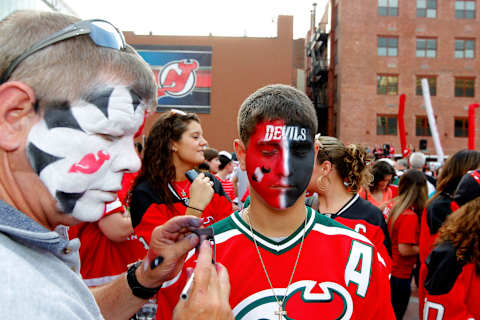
265	170
67	201
59	114
100	99
39	159
136	100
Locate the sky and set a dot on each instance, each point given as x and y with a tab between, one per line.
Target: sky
251	18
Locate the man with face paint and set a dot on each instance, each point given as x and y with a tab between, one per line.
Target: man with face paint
72	96
285	260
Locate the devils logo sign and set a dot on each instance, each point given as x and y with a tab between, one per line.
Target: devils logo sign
178	78
305	299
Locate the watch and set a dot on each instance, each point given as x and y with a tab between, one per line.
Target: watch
137	289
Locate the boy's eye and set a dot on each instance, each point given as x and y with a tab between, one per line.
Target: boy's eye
268	151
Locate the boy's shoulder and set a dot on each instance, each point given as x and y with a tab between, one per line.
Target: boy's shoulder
318	223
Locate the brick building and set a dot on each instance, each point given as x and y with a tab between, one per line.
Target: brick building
377	50
239	66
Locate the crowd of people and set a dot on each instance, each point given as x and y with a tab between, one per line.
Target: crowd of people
302	226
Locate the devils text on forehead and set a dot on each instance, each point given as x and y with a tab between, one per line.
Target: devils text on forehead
291	133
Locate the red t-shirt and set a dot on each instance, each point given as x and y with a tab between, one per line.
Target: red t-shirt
148	210
406	230
103	260
227	187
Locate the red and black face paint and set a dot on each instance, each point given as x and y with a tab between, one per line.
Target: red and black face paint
279	160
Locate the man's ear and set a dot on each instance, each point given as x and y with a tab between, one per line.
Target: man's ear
16	104
241	153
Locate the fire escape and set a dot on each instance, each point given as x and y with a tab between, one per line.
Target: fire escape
317	65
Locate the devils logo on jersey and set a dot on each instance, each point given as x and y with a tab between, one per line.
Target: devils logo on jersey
305	298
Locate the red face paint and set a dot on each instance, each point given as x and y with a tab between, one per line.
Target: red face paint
279	162
89	163
140	130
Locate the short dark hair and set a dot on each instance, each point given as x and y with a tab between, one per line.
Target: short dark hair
277	101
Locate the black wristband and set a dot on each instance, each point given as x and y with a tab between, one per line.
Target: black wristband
137	289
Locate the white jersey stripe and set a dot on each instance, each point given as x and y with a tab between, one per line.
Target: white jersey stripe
329	230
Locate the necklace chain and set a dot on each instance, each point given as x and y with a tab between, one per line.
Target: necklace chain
280	304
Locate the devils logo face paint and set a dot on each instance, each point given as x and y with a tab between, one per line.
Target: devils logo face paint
279	162
80	150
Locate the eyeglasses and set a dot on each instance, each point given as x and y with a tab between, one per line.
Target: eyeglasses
102	33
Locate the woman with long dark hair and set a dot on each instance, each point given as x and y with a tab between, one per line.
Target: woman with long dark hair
378	192
161	190
404	226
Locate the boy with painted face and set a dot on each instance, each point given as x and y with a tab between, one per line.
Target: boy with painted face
285	260
72	96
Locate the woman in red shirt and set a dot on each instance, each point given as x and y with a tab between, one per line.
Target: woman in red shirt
161	191
404	227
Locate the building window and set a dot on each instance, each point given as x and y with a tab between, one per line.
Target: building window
464	87
386	125
427	8
387	46
426	48
432	85
422	128
464	48
387	84
465	9
388	8
461	127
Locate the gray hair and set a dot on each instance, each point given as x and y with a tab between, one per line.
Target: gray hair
70	69
417	160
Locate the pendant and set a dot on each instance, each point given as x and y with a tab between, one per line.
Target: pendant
280	313
183	193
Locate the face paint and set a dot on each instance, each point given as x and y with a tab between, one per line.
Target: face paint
279	162
81	150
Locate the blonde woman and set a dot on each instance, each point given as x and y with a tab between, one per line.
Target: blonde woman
404	226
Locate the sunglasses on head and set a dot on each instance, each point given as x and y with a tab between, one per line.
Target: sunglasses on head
102	33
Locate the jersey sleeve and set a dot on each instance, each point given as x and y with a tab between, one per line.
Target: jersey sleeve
376	304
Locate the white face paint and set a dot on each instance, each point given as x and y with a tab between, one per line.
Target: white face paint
80	152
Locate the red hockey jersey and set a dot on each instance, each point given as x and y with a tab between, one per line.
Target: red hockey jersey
339	274
452	289
148	210
363	217
103	260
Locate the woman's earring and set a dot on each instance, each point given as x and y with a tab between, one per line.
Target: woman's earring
321	185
